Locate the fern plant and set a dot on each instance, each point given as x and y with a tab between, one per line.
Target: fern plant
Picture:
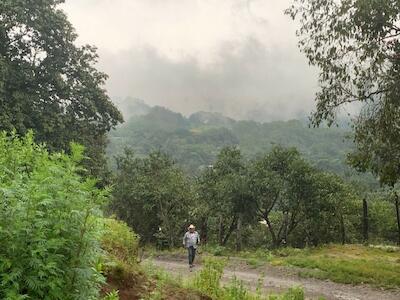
50	223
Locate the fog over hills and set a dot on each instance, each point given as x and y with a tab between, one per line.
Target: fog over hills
236	57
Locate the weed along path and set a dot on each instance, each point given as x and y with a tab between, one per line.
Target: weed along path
279	279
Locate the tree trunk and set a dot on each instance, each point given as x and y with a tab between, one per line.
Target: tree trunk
221	231
204	230
285	231
398	217
230	230
365	221
271	230
342	230
239	233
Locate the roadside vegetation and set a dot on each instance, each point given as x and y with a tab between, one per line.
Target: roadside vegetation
50	223
348	264
352	264
207	282
127	279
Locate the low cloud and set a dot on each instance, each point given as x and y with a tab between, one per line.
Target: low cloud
246	81
237	57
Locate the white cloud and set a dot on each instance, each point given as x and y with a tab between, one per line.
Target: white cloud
179	27
226	51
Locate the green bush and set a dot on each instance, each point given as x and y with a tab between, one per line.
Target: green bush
208	279
49	223
120	241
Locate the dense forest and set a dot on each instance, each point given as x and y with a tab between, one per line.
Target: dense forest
194	141
175	160
274	200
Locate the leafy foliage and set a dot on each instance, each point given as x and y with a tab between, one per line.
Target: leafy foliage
382	220
269	176
195	142
356	45
243	177
124	276
209	277
49	223
50	85
208	281
120	241
224	195
333	214
297	204
113	295
151	195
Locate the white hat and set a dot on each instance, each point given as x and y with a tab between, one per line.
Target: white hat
191	226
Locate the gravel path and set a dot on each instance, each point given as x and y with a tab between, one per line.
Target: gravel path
278	279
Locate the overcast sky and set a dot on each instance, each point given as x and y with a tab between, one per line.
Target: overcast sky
238	57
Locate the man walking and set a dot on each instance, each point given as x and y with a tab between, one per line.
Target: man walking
191	240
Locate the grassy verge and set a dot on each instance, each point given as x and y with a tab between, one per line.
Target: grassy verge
352	264
168	286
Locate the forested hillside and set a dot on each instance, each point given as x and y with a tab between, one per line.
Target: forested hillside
195	141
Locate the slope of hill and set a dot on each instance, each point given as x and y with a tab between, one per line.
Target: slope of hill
194	142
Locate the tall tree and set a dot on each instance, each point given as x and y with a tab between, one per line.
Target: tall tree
224	190
356	45
333	212
49	84
206	193
152	195
281	183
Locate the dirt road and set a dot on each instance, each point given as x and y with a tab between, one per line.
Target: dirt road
278	279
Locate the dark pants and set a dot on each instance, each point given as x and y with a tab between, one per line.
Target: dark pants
191	254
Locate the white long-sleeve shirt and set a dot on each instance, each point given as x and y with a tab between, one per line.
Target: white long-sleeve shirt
191	239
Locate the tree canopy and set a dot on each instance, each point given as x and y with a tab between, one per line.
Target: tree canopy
195	142
49	84
356	45
275	200
152	195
